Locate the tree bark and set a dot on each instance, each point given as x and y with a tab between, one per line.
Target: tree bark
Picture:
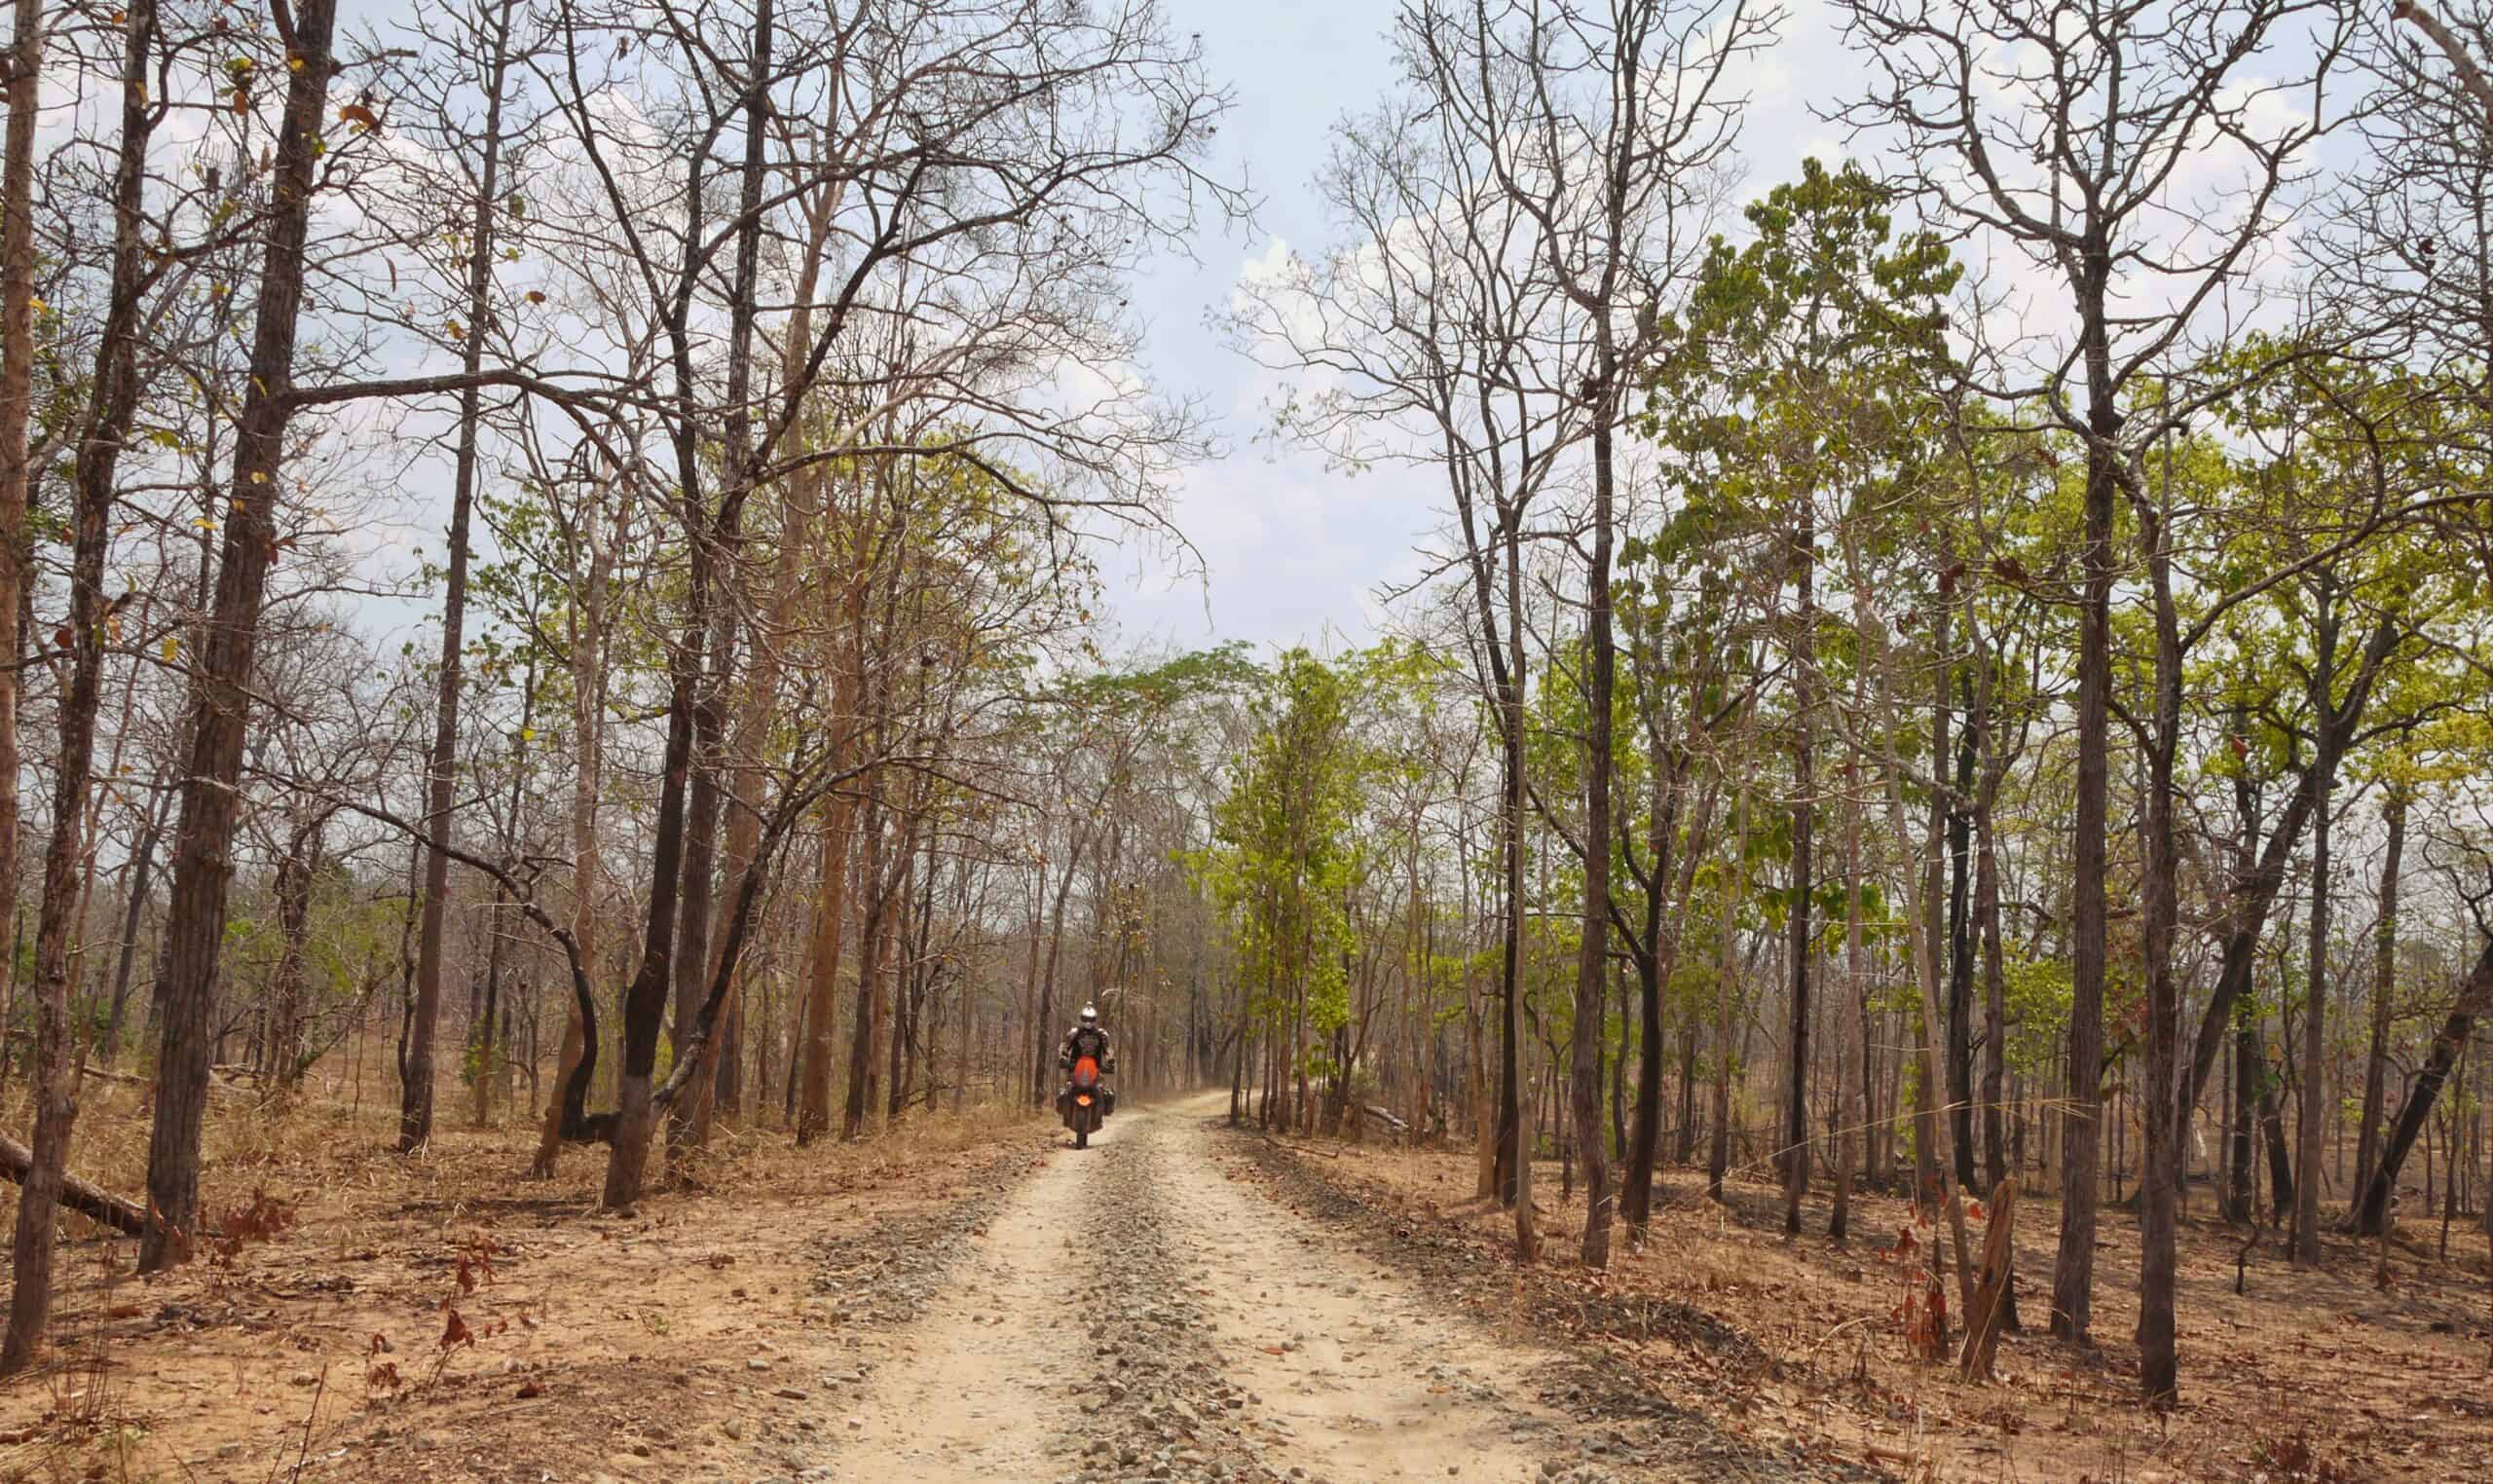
1718	1160
688	1116
830	906
2310	1107
219	692
441	765
142	876
588	724
2165	1122
1989	1315
2254	893
24	64
1960	950
1796	1095
2073	1270
2384	990
85	1198
1854	1111
294	877
645	1001
56	1106
2474	1000
1516	1143
1592	963
1994	990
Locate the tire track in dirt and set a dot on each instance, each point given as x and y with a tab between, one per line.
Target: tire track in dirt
1140	1311
974	1388
1362	1377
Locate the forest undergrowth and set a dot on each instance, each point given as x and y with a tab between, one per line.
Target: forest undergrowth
372	1316
2310	1377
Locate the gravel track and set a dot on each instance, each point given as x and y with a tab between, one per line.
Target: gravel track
1147	1309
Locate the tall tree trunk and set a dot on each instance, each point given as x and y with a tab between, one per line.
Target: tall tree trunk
485	1052
1854	1111
2247	1073
2475	1001
415	1096
1718	1162
756	706
56	1105
2160	1181
1796	1094
830	906
2254	893
294	878
2074	1267
1804	934
1592	961
2281	1164
1960	948
1994	993
1654	968
645	1000
16	419
588	724
1516	1139
2312	1105
1502	646
868	1024
2384	990
831	913
142	881
220	688
1043	1086
688	1116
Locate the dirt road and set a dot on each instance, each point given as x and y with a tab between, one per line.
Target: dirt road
1140	1311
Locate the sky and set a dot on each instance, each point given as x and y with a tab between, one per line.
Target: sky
1281	546
1290	549
1283	549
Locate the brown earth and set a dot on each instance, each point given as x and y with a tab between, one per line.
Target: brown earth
707	1335
2318	1376
968	1299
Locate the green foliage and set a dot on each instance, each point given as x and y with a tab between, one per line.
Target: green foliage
1285	856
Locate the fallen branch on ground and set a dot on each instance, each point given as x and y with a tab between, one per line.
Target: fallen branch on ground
90	1201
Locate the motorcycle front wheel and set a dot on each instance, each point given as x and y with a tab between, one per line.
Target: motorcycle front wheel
1080	1128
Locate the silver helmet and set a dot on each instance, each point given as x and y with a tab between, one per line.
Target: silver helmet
1090	1017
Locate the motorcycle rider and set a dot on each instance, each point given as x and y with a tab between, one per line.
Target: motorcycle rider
1086	1039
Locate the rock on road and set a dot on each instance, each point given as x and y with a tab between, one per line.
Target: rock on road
1133	1311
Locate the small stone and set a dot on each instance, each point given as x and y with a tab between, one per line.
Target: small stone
756	1363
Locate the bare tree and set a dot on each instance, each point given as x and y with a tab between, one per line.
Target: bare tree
482	39
2063	128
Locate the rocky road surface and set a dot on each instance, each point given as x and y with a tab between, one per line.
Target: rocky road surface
1140	1311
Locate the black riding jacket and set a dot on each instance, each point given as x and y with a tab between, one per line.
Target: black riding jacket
1090	1041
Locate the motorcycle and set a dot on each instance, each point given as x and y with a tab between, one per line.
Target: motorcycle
1085	1102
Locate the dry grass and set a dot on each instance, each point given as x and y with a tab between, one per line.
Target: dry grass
322	1351
2311	1378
